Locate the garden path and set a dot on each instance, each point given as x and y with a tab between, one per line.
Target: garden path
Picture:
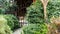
18	31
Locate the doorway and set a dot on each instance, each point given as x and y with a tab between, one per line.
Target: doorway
22	5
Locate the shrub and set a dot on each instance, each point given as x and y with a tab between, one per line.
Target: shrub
35	29
2	11
12	21
53	8
4	28
35	13
6	5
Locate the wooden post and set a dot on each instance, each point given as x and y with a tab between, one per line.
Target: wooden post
45	2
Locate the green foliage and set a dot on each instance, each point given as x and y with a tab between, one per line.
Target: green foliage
3	6
13	7
12	21
35	13
2	11
4	28
35	29
6	5
53	8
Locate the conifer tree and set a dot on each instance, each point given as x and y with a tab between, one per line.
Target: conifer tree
35	13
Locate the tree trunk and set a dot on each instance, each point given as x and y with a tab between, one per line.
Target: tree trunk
45	13
45	2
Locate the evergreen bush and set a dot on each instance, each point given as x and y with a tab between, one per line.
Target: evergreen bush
35	18
6	5
35	29
35	13
53	8
4	28
12	21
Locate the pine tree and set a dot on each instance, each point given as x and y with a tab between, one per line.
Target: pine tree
35	13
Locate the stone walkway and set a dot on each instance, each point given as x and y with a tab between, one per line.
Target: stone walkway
18	31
